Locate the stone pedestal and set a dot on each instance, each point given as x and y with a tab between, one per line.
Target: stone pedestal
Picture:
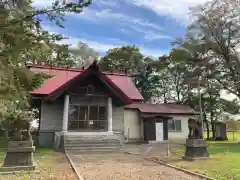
19	156
196	149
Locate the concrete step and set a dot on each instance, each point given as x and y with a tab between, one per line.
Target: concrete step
90	145
77	150
90	137
92	148
92	140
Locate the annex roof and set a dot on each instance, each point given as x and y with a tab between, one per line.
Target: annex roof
163	108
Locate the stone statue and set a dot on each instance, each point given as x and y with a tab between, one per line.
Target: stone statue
21	130
19	155
195	129
20	127
196	146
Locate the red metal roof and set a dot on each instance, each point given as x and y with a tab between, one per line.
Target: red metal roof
63	75
162	108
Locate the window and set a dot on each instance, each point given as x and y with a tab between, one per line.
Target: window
174	125
87	117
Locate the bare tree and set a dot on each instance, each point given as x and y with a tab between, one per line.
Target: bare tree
84	55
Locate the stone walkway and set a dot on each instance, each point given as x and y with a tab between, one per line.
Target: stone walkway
120	166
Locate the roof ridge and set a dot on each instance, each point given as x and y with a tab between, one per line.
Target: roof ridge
54	67
71	69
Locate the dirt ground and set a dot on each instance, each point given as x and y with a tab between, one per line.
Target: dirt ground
120	166
50	166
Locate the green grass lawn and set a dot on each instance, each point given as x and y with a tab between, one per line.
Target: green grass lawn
224	163
232	136
3	142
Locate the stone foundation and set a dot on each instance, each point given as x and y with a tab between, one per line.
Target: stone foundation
19	156
59	141
196	149
46	139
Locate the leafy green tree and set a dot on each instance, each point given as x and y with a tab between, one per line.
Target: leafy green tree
128	59
197	76
146	80
217	27
24	41
206	60
210	48
173	72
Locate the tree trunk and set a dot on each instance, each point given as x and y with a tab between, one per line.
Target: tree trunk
213	124
211	111
213	130
207	126
208	131
178	97
165	98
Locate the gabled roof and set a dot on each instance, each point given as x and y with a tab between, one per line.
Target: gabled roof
163	108
62	76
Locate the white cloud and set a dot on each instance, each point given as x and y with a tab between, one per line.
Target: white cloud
177	10
101	47
150	36
151	31
124	30
51	29
104	46
107	16
109	3
152	52
42	3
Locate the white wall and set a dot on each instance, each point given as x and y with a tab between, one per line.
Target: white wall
183	134
132	127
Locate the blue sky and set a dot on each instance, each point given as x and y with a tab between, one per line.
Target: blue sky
150	24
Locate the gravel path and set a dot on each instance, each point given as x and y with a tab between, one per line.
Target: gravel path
124	167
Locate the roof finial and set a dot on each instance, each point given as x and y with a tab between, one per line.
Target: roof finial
94	66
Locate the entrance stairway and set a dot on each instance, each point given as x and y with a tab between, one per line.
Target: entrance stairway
78	144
